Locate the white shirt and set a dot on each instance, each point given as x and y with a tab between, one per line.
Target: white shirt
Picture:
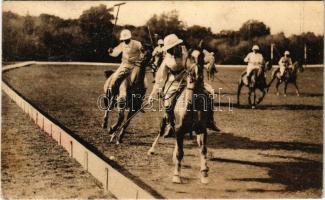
131	53
254	59
169	64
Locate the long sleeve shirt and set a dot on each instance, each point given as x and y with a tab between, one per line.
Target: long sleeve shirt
131	53
254	59
285	61
169	66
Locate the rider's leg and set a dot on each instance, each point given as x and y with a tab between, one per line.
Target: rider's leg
248	73
171	96
282	69
211	124
119	75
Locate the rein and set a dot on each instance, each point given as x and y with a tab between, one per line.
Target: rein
181	80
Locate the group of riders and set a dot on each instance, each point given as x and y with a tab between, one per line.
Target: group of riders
168	65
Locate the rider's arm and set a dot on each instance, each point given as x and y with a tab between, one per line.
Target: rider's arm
155	51
160	79
117	50
139	48
247	58
280	61
290	62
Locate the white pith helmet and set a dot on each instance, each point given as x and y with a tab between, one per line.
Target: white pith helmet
160	41
287	53
256	47
195	54
125	34
170	41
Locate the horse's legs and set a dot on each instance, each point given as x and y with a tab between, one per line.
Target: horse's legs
262	97
122	131
270	83
106	103
254	98
297	90
202	141
118	123
249	96
240	85
152	149
178	155
277	87
285	89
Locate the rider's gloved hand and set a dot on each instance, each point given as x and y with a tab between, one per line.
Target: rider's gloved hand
110	50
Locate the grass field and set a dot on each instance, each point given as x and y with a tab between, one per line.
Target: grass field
274	151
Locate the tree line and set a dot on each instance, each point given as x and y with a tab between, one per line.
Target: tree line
48	37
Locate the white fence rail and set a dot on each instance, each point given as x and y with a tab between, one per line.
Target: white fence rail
91	159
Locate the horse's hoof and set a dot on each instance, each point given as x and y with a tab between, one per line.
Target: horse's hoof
111	130
118	142
204	180
177	179
151	152
298	95
277	94
284	95
253	107
204	177
112	138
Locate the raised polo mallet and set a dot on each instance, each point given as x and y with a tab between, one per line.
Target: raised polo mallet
118	10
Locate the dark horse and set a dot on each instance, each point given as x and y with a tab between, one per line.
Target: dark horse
290	76
134	99
191	115
258	81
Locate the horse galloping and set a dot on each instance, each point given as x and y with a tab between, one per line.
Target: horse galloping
290	76
258	81
191	115
135	91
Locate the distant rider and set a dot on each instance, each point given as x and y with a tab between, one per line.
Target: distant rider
131	57
158	55
285	63
255	60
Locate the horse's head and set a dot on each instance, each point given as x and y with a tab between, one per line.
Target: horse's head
146	56
298	66
267	66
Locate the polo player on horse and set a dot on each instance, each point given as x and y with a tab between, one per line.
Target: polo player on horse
209	63
255	60
131	57
170	80
285	63
158	56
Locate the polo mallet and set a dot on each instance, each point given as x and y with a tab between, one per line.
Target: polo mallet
115	134
115	22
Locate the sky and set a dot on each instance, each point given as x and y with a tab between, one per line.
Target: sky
290	17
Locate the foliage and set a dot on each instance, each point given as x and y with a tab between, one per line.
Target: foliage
48	37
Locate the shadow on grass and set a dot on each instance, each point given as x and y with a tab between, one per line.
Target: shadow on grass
296	176
230	141
282	107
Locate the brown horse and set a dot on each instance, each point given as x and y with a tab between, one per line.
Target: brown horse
290	76
191	115
134	99
258	81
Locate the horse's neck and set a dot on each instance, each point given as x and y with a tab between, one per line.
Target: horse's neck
294	69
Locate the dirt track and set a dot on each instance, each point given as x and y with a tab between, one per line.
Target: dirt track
274	151
34	166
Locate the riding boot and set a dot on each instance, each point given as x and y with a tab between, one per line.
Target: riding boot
211	124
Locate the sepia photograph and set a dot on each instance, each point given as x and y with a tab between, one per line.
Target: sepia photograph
162	99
